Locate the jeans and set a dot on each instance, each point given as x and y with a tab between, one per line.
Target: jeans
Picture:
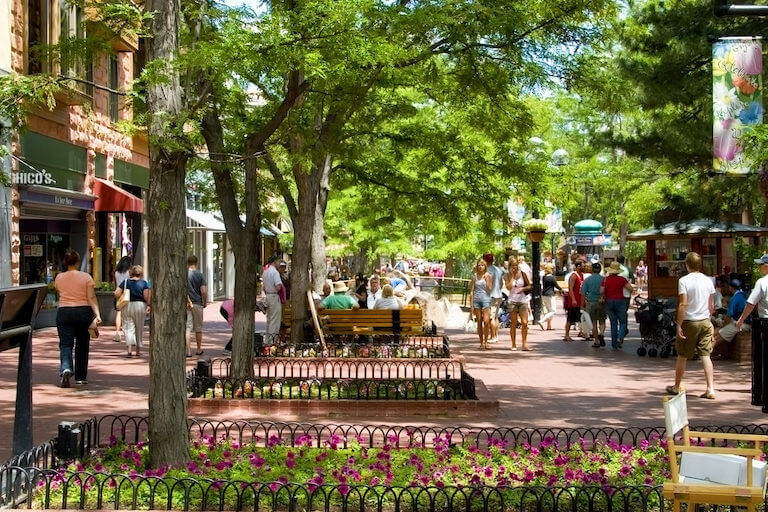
72	325
617	314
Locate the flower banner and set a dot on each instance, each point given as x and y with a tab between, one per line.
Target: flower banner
737	97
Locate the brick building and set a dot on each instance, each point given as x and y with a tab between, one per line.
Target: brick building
76	180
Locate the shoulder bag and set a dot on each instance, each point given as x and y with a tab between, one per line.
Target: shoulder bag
125	298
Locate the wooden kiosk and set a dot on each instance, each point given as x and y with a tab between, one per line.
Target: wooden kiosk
667	246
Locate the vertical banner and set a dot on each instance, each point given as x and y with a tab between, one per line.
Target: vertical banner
737	98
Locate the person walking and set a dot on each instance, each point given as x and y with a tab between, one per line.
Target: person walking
122	272
548	300
518	284
480	298
758	298
594	304
272	284
613	291
78	313
574	298
136	310
497	276
197	299
641	273
695	305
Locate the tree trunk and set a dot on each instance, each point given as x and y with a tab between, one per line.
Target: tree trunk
168	431
244	238
319	267
623	232
302	246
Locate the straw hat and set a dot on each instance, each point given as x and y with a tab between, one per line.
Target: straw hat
339	287
614	268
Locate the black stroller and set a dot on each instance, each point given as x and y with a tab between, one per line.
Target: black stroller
656	321
503	315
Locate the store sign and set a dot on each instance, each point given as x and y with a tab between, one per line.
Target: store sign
591	240
33	178
34	196
737	99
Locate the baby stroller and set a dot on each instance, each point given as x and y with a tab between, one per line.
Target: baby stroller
503	315
656	320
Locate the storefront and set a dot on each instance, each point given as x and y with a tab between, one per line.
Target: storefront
668	245
587	239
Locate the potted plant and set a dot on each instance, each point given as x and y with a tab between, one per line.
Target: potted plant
105	296
536	229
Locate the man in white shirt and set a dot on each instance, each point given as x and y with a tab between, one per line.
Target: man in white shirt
695	304
271	284
759	296
497	275
375	291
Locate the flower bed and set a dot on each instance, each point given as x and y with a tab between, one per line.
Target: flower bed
226	474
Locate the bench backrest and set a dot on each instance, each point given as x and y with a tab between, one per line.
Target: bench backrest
675	414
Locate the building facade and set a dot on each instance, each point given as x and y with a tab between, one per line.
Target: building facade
76	180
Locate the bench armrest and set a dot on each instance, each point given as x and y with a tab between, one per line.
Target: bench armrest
744	452
729	436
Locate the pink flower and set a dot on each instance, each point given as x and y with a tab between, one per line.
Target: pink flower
748	57
344	489
274	486
375	480
642	462
112	440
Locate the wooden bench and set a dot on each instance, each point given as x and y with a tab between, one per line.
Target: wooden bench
365	321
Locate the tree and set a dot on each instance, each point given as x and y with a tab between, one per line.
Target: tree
166	220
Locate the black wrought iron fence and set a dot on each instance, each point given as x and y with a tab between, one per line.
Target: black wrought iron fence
48	489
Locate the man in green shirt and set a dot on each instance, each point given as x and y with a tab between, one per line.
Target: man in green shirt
340	299
590	293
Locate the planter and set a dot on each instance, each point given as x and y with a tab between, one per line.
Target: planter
106	302
536	236
46	318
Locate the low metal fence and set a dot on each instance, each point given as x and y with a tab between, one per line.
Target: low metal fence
35	479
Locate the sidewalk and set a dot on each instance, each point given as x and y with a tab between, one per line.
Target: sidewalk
557	384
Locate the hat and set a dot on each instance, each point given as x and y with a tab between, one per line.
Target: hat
595	259
283	263
736	283
339	287
763	260
614	268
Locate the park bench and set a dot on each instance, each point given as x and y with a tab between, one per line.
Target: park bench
718	475
364	321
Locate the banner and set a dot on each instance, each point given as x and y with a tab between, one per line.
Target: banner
737	98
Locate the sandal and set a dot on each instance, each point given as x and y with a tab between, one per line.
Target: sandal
710	396
514	349
596	345
199	353
527	349
672	391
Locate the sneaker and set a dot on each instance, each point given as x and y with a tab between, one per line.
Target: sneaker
493	340
81	382
65	375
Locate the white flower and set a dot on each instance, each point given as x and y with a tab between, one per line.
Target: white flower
726	101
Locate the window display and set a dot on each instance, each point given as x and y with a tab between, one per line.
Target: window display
670	257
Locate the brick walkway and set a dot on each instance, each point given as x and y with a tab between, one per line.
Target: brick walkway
557	384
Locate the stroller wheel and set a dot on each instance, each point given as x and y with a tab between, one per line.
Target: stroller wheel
641	351
664	353
652	352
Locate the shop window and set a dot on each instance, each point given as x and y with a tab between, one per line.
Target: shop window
670	257
43	256
139	62
709	256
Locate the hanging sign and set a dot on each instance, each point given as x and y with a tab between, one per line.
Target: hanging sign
737	98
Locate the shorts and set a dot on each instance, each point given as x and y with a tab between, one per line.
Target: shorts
481	304
574	315
729	331
596	311
495	303
520	308
195	318
698	339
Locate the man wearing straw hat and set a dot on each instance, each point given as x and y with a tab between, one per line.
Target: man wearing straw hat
340	299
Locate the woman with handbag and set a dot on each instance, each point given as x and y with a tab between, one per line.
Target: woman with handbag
480	298
134	309
122	272
78	313
519	287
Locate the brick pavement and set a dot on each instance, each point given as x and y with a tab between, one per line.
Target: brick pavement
557	384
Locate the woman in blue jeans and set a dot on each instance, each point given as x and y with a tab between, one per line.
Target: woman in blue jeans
612	291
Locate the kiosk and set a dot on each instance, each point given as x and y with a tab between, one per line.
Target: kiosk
667	246
588	238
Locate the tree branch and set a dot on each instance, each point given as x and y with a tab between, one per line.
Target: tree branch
282	184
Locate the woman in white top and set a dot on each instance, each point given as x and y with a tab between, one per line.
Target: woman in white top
388	300
122	274
517	284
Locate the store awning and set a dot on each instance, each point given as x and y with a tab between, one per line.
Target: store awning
699	228
111	198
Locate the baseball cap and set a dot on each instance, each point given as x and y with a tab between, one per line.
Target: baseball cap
763	260
283	264
736	283
488	257
595	259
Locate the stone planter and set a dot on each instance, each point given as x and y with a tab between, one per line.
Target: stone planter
106	302
536	236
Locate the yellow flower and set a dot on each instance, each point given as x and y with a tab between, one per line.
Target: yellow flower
721	66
